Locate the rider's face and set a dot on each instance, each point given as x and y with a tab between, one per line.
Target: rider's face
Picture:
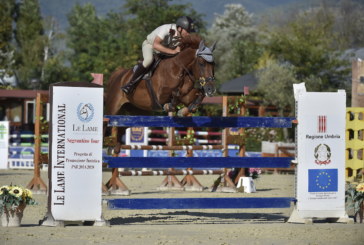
184	33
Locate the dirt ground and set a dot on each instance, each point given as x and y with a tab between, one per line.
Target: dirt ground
197	226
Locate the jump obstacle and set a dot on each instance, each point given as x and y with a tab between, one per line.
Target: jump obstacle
41	127
203	162
229	140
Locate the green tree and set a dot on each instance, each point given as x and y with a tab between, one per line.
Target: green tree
54	69
97	44
349	23
239	47
308	44
30	44
7	8
83	40
275	82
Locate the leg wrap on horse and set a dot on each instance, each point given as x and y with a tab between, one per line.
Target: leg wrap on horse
137	76
195	104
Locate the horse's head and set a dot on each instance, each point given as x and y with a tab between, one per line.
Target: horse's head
205	68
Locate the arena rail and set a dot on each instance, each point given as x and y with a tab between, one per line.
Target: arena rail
203	162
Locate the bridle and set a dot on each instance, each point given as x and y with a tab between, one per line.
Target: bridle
202	80
204	53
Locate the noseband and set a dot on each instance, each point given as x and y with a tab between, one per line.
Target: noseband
203	80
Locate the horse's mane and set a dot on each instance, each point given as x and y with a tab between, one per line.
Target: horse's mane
191	41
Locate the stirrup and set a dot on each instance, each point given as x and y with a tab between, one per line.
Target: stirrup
125	90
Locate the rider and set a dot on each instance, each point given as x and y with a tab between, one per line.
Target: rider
163	39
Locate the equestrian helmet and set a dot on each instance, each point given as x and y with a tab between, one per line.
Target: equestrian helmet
186	23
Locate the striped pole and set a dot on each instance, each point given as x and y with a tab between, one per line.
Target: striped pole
170	172
175	147
199	141
198	133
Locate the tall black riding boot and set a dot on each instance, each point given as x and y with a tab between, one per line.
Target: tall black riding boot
137	76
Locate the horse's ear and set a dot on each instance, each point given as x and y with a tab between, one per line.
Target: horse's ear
201	45
213	46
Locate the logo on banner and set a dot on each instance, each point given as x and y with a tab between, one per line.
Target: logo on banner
322	120
85	112
322	180
137	134
322	154
234	131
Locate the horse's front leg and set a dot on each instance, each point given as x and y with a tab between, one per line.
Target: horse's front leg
171	107
192	106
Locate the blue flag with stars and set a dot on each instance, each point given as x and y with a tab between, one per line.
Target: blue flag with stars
322	180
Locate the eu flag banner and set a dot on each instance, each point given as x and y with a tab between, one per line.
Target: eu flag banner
322	180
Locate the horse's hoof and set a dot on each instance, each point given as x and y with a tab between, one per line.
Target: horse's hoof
168	107
183	112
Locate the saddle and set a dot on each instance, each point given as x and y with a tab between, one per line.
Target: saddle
157	58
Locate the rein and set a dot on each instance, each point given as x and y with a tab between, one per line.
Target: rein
201	80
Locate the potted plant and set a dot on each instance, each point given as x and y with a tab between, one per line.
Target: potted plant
13	200
355	201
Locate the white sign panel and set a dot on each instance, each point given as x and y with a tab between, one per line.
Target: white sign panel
321	154
76	157
4	144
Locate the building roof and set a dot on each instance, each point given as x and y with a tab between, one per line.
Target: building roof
236	85
17	93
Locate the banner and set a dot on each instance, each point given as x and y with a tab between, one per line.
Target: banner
321	154
76	152
4	144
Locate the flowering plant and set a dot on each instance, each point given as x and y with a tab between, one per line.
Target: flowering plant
355	199
254	172
12	196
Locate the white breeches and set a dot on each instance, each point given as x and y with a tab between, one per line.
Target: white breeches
148	51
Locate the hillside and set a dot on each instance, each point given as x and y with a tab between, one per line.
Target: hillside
60	8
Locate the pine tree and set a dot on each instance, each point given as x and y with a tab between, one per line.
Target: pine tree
30	43
7	8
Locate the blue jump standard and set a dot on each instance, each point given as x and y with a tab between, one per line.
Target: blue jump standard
203	121
201	203
198	162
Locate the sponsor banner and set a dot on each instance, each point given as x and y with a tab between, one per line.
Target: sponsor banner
321	154
4	144
76	153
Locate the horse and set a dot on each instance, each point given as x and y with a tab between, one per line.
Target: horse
182	79
185	78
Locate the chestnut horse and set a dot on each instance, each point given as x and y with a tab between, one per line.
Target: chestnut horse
182	79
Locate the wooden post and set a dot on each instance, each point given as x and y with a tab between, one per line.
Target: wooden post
171	182
357	91
241	172
37	185
225	184
190	182
115	185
